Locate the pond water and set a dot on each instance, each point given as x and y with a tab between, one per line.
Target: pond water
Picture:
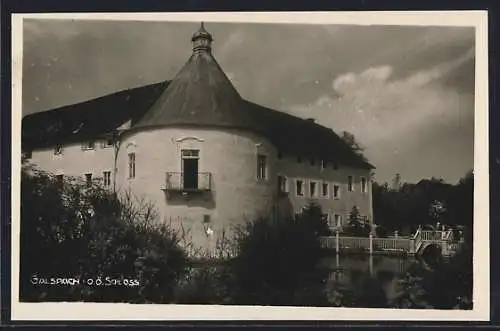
350	270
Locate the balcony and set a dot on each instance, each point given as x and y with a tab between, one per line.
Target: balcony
179	182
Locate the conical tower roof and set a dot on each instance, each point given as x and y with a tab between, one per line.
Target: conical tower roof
200	95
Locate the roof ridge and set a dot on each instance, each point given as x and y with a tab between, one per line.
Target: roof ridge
98	98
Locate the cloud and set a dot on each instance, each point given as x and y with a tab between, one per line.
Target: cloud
414	81
390	115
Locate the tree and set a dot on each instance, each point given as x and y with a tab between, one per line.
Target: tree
355	226
352	143
73	230
436	210
410	293
277	261
396	182
462	202
447	285
385	211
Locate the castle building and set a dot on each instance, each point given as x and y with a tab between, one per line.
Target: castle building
207	158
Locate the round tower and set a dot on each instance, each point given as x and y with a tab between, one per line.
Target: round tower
199	153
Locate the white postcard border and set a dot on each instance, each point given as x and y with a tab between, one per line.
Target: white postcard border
155	312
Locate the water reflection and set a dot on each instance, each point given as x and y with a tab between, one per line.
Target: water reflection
352	270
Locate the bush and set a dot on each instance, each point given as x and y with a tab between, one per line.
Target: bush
205	284
381	232
448	285
277	261
72	229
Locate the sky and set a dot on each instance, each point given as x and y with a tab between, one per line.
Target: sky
406	93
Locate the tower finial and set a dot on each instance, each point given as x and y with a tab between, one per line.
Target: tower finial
202	40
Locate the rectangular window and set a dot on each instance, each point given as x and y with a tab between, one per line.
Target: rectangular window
131	165
363	184
336	191
299	187
313	189
107	178
88	179
58	150
190	169
324	164
325	190
350	187
282	184
261	167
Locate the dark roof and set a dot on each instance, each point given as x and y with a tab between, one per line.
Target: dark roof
201	94
102	115
89	119
303	137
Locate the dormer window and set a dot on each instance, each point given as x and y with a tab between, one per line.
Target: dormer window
88	145
107	143
58	150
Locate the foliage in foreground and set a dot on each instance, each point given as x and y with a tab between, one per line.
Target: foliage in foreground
71	230
277	260
446	285
276	264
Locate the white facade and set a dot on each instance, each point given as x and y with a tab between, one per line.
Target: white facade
231	191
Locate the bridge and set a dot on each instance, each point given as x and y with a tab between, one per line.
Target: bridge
413	245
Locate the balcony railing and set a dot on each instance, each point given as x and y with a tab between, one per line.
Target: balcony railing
181	182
